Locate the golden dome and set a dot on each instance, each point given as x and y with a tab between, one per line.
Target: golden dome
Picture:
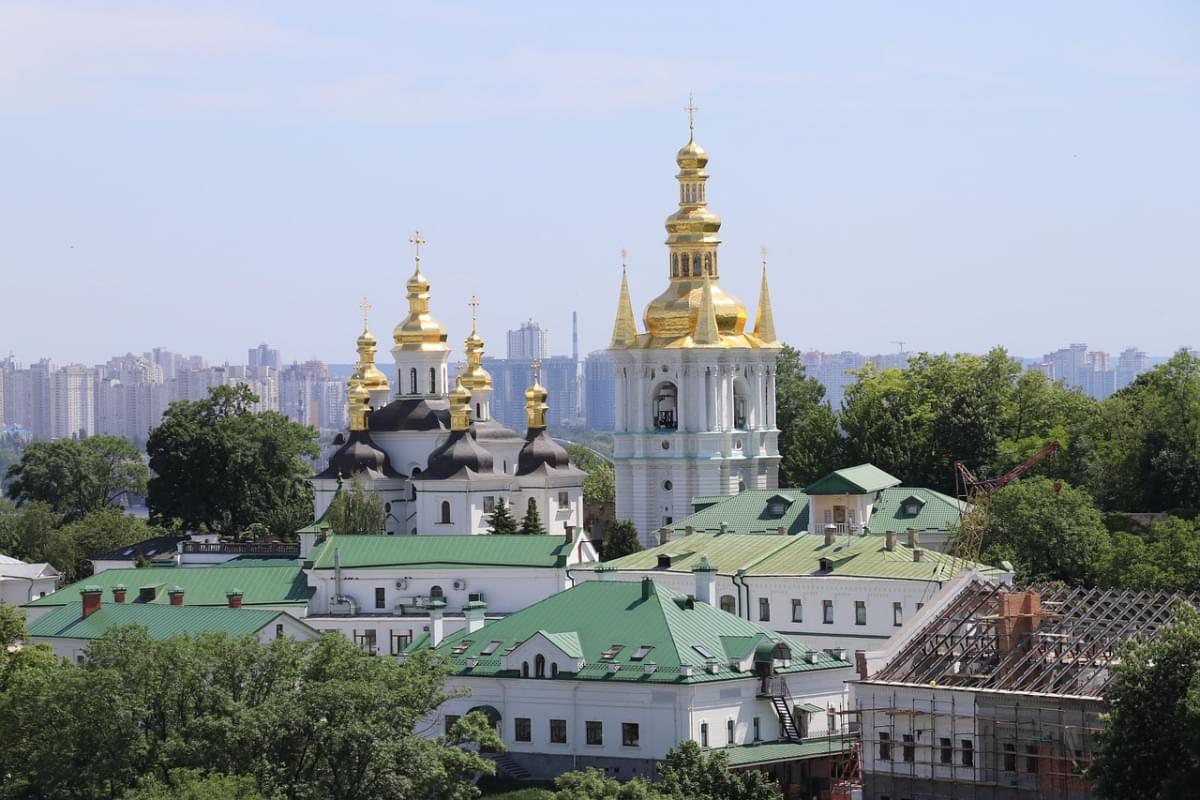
460	406
673	313
373	380
419	330
691	156
359	400
475	376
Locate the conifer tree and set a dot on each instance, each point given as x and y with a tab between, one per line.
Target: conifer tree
532	524
501	521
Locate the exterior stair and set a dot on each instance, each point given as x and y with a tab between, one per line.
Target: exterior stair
506	765
785	717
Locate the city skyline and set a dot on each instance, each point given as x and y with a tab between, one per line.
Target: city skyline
264	167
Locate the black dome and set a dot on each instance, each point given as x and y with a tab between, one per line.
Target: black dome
459	452
541	450
359	455
411	414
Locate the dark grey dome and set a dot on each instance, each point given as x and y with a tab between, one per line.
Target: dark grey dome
358	455
459	452
540	450
489	430
411	414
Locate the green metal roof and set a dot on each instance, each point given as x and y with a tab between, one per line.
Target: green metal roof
863	479
599	614
567	642
162	622
760	555
750	755
750	512
202	586
429	552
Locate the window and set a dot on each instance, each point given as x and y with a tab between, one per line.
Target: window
400	641
947	751
380	597
827	612
968	753
524	669
797	611
641	652
564	500
450	720
412	380
539	666
729	731
595	732
558	731
668	486
611	652
532	505
920	606
1031	758
522	729
704	734
461	647
432	380
764	609
478	411
436	593
366	640
279	630
665	403
831	724
909	749
897	614
629	734
490	647
1010	757
704	651
489	503
757	729
728	604
885	746
445	512
554	669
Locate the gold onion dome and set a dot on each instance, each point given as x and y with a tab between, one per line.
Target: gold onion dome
369	376
691	156
460	406
475	376
419	330
535	401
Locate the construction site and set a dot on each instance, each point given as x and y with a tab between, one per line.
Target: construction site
996	694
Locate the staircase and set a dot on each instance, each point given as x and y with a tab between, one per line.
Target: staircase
785	717
506	765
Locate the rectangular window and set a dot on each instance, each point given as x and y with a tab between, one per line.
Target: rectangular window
489	504
764	609
380	597
729	731
558	731
947	751
1031	758
1010	757
490	647
629	734
400	641
595	732
797	611
366	640
968	753
704	734
909	750
450	720
860	612
885	746
827	612
522	729
279	630
897	614
757	729
563	500
831	723
828	516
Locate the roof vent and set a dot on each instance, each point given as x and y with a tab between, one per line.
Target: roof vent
472	663
826	565
918	554
614	667
810	657
685	670
664	561
712	667
649	667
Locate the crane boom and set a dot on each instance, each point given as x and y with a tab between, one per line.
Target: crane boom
973	493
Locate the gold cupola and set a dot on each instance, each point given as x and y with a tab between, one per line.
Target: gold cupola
419	330
475	376
359	402
460	406
371	378
535	400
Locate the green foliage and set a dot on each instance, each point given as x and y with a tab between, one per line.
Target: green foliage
1049	530
1164	557
25	532
1150	745
76	478
217	463
298	720
600	485
12	624
809	440
531	525
501	521
593	784
71	548
620	539
356	509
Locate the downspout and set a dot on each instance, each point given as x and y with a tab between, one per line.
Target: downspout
337	572
742	585
28	594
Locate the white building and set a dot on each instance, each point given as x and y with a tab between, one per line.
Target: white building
695	393
21	582
615	674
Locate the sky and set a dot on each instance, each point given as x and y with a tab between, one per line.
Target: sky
206	176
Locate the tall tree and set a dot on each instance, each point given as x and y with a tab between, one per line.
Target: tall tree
356	509
501	521
600	484
25	532
219	464
531	524
78	477
809	441
72	547
1150	745
620	539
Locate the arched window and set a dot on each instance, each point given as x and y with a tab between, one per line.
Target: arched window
524	669
739	406
728	604
674	265
412	380
539	666
532	505
664	408
412	483
432	380
708	263
554	670
683	260
696	265
436	593
445	512
479	411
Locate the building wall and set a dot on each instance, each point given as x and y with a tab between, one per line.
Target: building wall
600	410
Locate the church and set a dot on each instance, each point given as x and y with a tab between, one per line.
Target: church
695	404
432	452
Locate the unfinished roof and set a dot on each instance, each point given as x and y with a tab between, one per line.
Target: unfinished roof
1046	640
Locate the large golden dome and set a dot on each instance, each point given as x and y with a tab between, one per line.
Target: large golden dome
673	313
419	330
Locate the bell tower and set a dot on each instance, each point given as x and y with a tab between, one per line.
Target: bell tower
420	350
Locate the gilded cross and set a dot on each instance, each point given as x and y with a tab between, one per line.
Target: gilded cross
624	257
474	304
764	256
365	306
536	367
691	108
416	241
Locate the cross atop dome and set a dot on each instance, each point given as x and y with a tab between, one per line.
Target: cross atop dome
691	108
416	241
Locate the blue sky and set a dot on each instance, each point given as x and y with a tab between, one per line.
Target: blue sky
205	176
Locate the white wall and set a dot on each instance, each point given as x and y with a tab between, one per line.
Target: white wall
18	590
954	718
505	590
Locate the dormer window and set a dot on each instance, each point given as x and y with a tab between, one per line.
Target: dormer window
664	562
912	505
462	647
611	652
826	565
641	652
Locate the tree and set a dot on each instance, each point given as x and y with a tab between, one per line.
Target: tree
72	547
531	525
1150	744
25	532
620	539
220	464
77	477
1165	557
599	486
193	784
809	441
356	510
1049	530
593	784
501	521
690	773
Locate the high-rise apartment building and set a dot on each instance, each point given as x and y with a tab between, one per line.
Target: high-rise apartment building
599	392
263	356
1131	363
72	398
510	378
528	342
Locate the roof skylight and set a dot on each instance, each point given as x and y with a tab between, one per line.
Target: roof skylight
641	652
704	651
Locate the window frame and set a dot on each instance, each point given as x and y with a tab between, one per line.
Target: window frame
884	740
380	597
797	610
968	752
594	732
826	612
522	725
860	612
897	614
630	734
764	609
558	731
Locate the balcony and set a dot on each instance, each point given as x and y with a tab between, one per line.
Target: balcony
281	549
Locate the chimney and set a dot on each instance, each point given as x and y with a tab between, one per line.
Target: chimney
724	527
1020	615
234	596
706	580
890	541
830	533
664	535
437	625
473	612
781	531
918	554
119	593
689	531
647	588
91	599
914	537
176	595
570	533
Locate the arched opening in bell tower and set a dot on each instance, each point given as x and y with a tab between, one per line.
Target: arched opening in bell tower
665	406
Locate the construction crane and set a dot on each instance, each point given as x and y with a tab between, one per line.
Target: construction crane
973	493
